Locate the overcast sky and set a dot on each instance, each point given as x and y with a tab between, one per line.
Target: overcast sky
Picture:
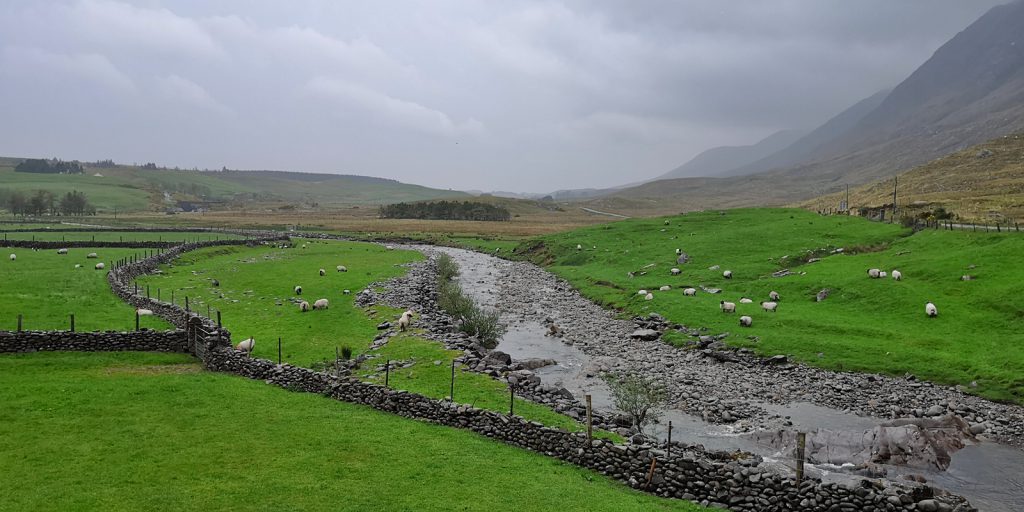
501	95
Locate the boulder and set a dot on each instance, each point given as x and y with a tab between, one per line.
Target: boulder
645	334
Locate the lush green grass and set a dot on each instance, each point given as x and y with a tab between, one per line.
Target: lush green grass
138	431
46	287
254	281
107	193
117	236
866	324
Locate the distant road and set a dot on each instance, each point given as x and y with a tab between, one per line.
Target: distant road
588	210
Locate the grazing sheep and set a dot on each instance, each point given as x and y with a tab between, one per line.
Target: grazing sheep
62	251
320	304
323	272
14	257
966	277
690	291
298	290
405	321
649	296
678	252
873	273
676	271
303	306
745	300
931	310
727	307
727	274
641	292
144	312
897	275
774	296
579	247
665	288
77	265
92	255
342	268
215	282
346	291
246	346
769	306
100	266
883	274
745	321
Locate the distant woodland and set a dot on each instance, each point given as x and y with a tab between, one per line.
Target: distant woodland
41	166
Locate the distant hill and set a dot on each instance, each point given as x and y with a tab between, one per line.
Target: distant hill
970	91
982	183
719	161
132	188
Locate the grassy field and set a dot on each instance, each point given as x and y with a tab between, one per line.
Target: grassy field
866	324
107	193
46	287
140	431
117	236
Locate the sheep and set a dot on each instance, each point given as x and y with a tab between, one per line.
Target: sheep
100	266
405	321
77	265
873	273
931	310
676	271
966	277
320	304
14	256
727	274
303	306
727	307
774	296
246	346
298	290
323	272
342	268
62	251
144	312
346	291
649	296
745	321
883	274
897	275
745	300
769	306
690	291
579	247
678	252
641	292
215	282
665	288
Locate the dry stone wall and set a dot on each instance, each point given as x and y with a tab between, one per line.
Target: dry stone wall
146	341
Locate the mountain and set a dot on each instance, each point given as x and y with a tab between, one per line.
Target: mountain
970	90
720	160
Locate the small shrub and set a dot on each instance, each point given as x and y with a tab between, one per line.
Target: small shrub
446	268
640	397
346	352
485	325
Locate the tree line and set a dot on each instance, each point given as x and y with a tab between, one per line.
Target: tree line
41	166
445	210
43	202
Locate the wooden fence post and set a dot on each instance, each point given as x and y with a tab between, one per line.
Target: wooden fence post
218	319
19	323
451	392
801	443
387	373
668	450
72	322
590	419
278	350
136	319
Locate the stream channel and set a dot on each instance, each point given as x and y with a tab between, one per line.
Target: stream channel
990	475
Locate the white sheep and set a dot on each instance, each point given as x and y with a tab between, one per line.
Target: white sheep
678	252
92	256
665	288
62	251
883	274
323	272
873	273
774	296
14	256
744	300
579	247
346	291
100	266
320	304
727	307
298	290
641	292
77	265
897	275
405	321
676	271
746	321
342	268
769	306
727	274
690	291
144	312
246	346
931	310
304	306
649	296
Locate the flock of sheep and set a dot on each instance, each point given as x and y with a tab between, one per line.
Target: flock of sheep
91	255
874	273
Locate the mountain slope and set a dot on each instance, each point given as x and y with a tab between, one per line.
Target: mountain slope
720	160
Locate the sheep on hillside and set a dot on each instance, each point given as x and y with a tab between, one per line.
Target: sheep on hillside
323	272
769	306
214	282
298	290
77	265
744	300
727	307
649	296
897	275
746	321
675	271
727	274
883	274
303	306
874	273
931	310
14	256
320	304
346	291
246	346
579	247
342	268
678	252
92	255
690	291
774	296
665	288
100	266
62	251
641	292
144	312
405	321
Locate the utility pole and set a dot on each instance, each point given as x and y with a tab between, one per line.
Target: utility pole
895	183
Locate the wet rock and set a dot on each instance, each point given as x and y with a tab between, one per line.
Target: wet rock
645	334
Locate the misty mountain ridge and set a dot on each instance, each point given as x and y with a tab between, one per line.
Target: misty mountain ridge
720	160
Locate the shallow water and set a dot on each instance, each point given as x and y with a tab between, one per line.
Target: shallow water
990	475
